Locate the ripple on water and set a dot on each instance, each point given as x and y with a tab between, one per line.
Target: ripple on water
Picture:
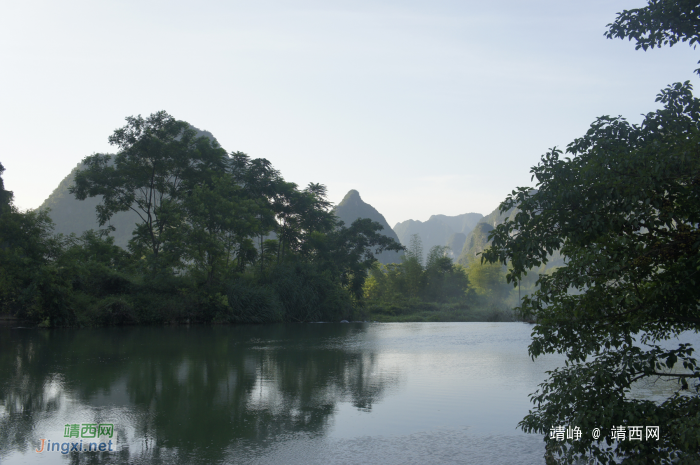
443	446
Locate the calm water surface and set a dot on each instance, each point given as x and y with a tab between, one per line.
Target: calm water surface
308	394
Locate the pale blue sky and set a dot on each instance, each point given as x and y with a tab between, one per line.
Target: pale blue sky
424	107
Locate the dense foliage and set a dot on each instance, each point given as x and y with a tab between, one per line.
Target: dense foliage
221	238
624	210
436	289
438	281
661	22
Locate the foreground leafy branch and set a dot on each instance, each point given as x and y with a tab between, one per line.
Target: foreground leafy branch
623	209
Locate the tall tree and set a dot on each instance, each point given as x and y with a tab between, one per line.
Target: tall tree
438	269
412	266
349	253
304	213
220	219
160	160
31	285
623	211
261	182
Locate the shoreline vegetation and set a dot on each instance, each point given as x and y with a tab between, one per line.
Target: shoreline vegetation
416	312
221	238
430	312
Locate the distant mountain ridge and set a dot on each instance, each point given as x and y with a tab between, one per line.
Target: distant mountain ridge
72	216
439	230
465	234
353	207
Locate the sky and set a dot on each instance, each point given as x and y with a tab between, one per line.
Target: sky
424	107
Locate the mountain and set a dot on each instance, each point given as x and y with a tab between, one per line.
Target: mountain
477	239
438	230
353	207
495	217
77	216
475	243
455	243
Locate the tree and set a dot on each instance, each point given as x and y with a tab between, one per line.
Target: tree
220	219
439	281
31	285
443	279
489	279
661	22
261	182
299	214
5	195
348	253
314	214
623	209
160	160
412	267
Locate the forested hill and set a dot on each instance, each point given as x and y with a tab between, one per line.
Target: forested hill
475	243
477	240
439	230
77	216
353	207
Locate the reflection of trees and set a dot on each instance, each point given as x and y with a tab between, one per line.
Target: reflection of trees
195	390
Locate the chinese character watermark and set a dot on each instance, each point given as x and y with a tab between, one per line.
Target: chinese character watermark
88	430
560	432
617	433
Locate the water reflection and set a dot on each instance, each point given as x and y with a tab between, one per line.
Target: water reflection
182	394
296	394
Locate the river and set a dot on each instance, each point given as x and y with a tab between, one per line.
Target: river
290	394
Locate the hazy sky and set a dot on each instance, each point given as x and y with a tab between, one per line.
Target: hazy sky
424	107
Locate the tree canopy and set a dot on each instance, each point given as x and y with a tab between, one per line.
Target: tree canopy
661	22
160	161
221	238
5	195
623	209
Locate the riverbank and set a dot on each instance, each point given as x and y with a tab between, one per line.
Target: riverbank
417	311
377	312
7	320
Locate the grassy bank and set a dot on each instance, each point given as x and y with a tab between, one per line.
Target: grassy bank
417	311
